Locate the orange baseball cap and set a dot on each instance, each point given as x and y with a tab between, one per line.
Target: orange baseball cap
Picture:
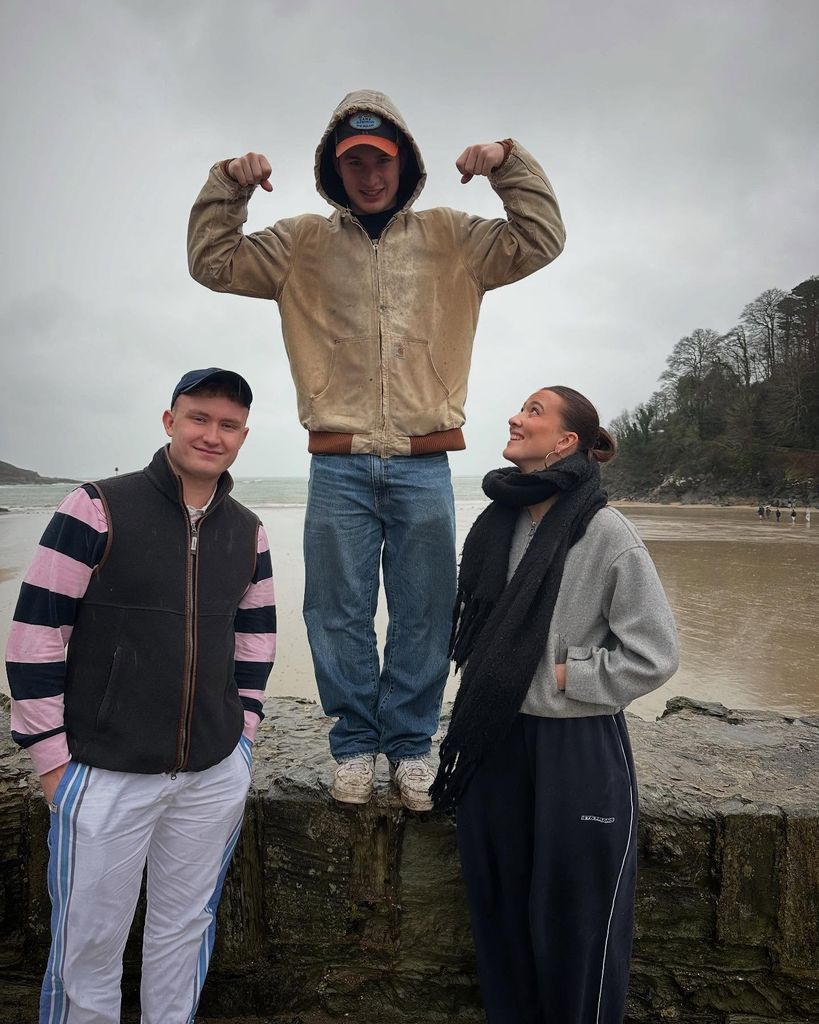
366	129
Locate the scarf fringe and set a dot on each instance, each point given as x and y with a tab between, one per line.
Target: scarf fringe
469	619
454	774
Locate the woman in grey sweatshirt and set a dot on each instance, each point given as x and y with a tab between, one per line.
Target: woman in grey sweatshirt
561	622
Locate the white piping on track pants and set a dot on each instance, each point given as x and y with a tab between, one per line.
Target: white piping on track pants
105	827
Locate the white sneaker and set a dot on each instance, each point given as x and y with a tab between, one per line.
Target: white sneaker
353	780
414	776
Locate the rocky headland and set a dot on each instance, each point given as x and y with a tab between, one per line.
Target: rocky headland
14	475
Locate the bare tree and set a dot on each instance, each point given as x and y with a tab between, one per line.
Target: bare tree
759	318
693	355
738	355
689	366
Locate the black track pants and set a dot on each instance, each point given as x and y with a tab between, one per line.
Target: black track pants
547	834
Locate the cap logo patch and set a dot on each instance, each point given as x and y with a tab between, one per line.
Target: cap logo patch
364	122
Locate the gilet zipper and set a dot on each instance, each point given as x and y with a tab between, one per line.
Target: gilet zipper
189	680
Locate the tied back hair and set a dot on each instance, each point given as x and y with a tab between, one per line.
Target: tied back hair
580	416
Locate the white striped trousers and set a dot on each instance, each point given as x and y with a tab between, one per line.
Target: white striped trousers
105	827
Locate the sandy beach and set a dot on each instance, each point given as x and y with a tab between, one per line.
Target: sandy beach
745	594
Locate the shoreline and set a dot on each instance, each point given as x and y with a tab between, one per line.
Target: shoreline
466	501
644	503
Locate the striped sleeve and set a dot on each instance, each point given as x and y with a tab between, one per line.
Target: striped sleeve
255	634
70	548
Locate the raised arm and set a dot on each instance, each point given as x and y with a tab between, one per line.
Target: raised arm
44	618
255	634
501	251
220	255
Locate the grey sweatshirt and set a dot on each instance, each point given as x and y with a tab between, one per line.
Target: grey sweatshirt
612	624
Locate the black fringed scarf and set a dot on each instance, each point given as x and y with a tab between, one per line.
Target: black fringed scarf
500	630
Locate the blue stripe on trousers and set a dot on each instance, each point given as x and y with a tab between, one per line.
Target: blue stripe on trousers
206	947
54	1003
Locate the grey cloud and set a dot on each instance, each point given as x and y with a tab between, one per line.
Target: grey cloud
679	138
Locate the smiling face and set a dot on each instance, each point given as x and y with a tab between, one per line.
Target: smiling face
206	434
370	178
537	431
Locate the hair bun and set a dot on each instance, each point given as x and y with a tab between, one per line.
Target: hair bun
605	447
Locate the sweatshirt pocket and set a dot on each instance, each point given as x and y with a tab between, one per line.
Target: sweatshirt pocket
418	396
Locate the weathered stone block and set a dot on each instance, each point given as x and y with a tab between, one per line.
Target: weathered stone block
798	945
751	843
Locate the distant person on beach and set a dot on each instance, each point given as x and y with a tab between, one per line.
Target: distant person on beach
561	622
161	585
760	512
778	514
793	516
379	307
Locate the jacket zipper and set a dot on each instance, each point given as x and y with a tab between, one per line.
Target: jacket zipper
182	736
381	366
382	363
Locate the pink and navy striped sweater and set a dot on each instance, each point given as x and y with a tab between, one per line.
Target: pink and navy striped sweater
71	547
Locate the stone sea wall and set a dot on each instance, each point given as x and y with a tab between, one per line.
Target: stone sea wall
358	913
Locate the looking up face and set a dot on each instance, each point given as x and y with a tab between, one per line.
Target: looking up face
538	430
370	178
206	434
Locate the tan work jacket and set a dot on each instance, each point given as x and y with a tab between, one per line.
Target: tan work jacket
379	334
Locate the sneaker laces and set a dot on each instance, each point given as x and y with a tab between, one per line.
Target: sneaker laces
416	768
362	764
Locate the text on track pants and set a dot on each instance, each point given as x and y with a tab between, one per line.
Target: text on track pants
547	833
105	826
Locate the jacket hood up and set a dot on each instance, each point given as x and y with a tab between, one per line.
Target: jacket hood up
328	182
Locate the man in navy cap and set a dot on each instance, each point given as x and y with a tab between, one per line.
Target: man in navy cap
160	584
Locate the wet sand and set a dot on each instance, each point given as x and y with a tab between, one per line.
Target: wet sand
745	593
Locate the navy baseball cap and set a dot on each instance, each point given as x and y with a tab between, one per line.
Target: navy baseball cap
214	375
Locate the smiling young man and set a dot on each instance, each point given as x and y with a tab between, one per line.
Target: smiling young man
379	306
160	585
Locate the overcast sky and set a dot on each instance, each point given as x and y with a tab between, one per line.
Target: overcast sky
680	138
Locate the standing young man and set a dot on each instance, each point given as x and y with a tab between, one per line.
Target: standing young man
379	306
161	586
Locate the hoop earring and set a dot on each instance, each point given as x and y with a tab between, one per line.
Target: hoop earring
546	460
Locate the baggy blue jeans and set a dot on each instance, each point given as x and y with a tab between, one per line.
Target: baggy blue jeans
364	511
